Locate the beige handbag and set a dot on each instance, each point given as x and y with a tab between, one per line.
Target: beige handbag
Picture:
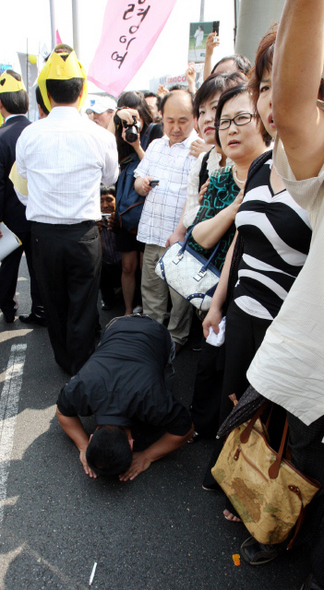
267	491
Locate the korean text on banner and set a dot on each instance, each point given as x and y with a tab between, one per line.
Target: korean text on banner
128	35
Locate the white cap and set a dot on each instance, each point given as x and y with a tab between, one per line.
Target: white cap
101	104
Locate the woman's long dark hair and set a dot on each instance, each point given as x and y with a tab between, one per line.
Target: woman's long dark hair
131	100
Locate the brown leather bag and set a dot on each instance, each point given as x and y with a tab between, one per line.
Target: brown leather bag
267	491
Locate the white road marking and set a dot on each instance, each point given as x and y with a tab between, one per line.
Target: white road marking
9	401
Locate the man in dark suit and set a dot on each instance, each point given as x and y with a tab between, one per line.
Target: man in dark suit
13	107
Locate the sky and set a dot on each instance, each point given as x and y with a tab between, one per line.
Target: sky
27	25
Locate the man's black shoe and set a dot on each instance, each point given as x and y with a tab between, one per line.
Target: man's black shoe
33	319
9	316
107	305
254	553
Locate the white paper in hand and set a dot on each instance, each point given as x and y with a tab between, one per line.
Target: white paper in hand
217	339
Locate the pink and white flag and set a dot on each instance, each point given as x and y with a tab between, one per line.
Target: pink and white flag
128	34
58	37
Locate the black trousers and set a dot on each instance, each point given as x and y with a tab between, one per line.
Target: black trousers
110	279
8	278
208	390
244	335
67	260
307	454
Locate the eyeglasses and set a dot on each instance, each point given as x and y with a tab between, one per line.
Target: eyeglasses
239	120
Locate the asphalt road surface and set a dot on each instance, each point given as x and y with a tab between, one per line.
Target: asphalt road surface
160	532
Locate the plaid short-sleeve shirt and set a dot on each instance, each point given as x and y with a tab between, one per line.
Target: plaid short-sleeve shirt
164	204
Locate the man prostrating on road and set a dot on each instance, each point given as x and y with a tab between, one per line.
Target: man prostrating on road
124	381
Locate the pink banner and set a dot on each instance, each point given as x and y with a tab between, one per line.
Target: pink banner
128	34
58	38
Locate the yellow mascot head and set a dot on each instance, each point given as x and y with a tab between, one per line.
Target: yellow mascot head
62	64
9	83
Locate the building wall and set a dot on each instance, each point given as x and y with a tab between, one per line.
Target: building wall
254	19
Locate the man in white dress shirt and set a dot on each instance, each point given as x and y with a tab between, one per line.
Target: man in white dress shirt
168	160
64	157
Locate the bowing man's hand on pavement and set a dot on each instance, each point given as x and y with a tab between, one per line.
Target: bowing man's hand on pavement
139	464
86	467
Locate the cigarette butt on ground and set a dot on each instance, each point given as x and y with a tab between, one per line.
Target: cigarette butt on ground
92	573
236	558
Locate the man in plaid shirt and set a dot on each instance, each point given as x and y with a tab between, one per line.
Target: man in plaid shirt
167	160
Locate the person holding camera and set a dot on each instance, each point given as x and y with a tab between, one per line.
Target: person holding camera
134	132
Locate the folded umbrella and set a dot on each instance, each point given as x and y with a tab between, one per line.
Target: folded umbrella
244	409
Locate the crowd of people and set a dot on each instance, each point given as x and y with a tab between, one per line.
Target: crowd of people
239	163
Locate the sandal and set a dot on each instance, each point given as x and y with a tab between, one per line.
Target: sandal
255	553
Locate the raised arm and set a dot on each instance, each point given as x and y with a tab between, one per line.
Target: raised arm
297	71
191	77
212	41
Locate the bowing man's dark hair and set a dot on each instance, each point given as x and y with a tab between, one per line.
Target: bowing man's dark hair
108	452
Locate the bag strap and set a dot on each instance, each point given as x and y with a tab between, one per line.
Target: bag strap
203	173
298	524
211	257
245	434
256	165
274	468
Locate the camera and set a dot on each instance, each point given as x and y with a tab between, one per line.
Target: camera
132	130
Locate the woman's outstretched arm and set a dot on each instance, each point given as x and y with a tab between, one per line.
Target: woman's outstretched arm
297	71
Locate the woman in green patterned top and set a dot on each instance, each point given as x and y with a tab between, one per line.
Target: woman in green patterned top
214	221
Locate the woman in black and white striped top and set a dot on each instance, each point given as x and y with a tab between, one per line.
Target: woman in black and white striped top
276	234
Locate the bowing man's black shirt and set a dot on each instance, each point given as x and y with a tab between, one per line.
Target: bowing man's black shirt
124	379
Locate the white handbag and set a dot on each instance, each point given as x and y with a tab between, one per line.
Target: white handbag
189	273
